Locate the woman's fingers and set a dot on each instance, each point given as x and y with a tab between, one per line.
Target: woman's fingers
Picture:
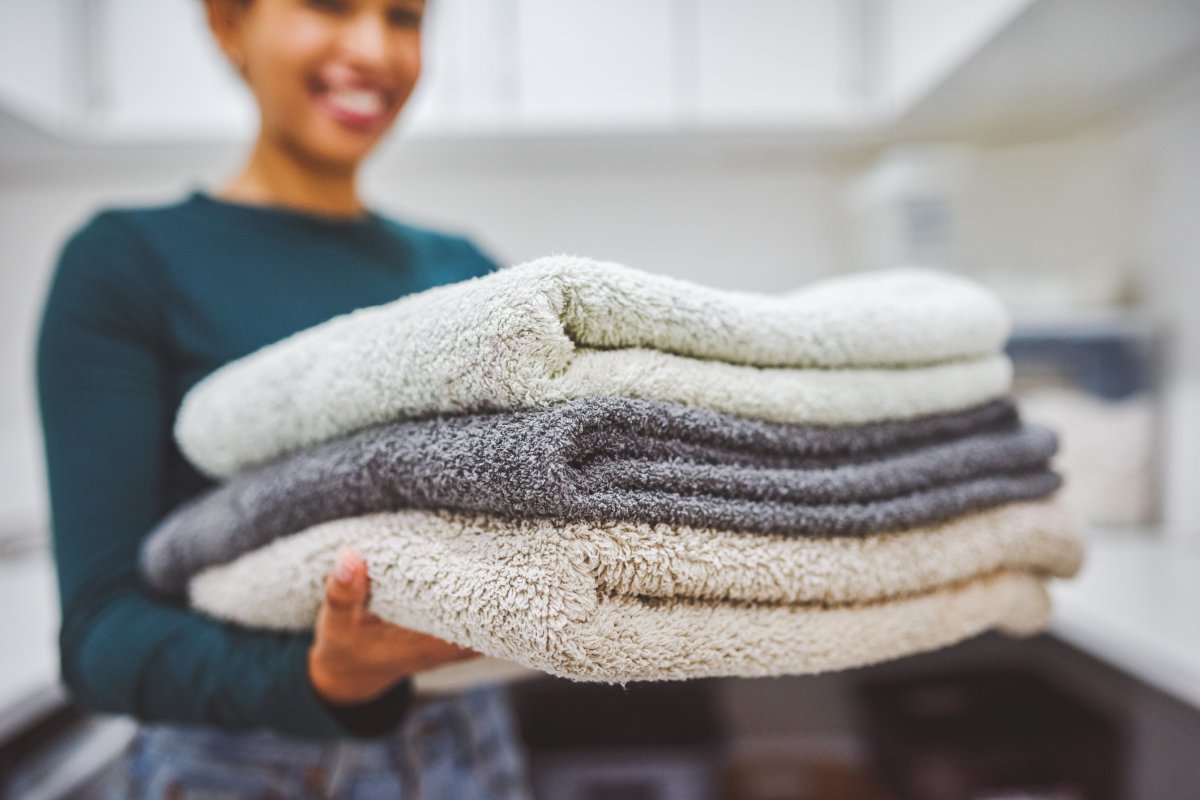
428	651
463	653
346	588
347	591
356	654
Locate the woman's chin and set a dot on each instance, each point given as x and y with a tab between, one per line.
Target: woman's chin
335	144
337	159
334	153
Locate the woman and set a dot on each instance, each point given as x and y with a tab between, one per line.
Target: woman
145	302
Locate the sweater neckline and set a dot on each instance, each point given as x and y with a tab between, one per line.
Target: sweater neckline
363	221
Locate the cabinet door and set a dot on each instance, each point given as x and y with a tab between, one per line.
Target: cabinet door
468	69
774	61
161	74
37	81
595	64
923	41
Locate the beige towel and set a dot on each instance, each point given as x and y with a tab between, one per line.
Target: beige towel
627	601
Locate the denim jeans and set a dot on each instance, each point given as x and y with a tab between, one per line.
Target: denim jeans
463	747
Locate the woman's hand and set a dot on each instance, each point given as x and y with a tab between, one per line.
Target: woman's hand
357	656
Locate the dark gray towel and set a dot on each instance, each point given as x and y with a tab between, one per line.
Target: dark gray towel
609	458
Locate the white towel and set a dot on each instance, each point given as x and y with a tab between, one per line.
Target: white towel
857	349
627	601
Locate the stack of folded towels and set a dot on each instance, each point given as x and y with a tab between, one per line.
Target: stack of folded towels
609	475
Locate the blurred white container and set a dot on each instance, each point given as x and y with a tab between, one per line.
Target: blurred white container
907	208
1107	452
1048	226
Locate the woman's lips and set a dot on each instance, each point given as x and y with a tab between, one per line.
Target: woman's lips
358	108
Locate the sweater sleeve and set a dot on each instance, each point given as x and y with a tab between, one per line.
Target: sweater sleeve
103	392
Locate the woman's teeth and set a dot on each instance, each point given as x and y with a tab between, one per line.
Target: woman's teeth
358	101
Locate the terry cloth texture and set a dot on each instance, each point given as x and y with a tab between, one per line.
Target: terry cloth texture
851	350
610	458
632	601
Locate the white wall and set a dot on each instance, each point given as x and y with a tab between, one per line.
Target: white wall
1166	134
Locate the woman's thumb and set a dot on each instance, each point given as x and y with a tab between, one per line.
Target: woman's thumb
346	589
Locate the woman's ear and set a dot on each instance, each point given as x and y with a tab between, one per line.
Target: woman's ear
225	21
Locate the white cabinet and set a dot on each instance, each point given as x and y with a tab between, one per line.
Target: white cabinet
775	61
159	74
35	69
595	64
149	69
118	69
468	69
612	65
922	41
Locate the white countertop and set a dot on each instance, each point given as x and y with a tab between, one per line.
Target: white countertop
1136	606
28	627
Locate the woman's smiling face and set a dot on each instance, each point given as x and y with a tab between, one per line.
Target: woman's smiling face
329	76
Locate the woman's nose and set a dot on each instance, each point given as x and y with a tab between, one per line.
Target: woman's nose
365	38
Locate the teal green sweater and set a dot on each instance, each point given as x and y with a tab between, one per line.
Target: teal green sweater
144	302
